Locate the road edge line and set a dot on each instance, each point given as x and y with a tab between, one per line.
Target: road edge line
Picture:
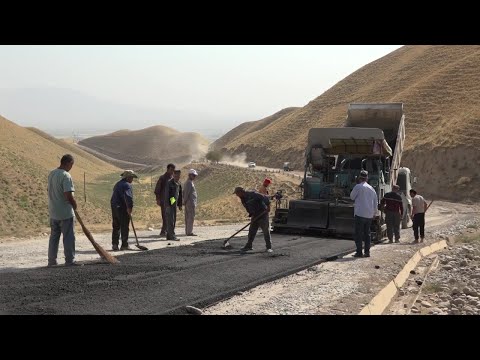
384	297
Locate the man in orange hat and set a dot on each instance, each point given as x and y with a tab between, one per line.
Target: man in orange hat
264	187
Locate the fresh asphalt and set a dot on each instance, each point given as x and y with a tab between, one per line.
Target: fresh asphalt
163	281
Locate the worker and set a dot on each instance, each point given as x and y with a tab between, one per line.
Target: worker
419	206
160	195
392	205
122	205
61	207
258	208
365	210
173	199
190	201
263	189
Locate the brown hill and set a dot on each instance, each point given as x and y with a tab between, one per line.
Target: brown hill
27	155
440	88
250	127
151	146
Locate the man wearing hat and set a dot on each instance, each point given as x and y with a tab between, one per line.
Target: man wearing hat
392	205
365	209
190	201
263	189
122	205
258	208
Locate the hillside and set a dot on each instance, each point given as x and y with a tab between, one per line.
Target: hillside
151	146
26	158
440	88
250	127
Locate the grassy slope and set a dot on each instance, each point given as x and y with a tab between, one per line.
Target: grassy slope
440	87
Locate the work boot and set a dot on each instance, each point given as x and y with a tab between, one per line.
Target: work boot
421	239
125	247
415	241
72	264
390	241
192	234
52	264
397	241
367	254
115	247
162	234
246	248
358	255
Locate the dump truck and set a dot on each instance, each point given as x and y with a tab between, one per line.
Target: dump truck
373	140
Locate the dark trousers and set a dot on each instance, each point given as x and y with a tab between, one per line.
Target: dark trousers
164	219
392	218
120	225
362	233
263	224
419	223
171	215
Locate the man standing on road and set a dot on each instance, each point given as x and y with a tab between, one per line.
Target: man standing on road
258	208
160	195
365	210
61	206
122	205
173	198
419	206
392	205
190	201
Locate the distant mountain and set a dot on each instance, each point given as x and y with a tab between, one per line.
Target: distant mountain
151	146
61	111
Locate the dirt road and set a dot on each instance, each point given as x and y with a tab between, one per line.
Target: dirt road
170	276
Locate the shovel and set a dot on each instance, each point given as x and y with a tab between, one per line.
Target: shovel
226	244
133	227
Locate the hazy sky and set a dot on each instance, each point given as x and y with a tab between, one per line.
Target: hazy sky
231	83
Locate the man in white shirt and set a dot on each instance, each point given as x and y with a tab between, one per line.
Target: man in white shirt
365	210
419	206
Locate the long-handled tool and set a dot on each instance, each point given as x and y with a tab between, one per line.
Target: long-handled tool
428	205
101	251
133	227
226	244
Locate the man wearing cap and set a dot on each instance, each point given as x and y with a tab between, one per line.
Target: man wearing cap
160	195
392	205
365	210
190	201
173	199
263	189
258	208
122	205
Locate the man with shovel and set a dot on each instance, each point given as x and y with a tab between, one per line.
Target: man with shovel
122	205
258	208
173	199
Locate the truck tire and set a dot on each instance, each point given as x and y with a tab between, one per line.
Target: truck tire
406	219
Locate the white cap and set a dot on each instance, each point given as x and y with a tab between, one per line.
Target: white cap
192	171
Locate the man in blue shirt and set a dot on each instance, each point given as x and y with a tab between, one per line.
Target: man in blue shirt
258	208
365	210
122	205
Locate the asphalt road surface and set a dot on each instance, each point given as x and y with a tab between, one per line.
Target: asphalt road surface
162	281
